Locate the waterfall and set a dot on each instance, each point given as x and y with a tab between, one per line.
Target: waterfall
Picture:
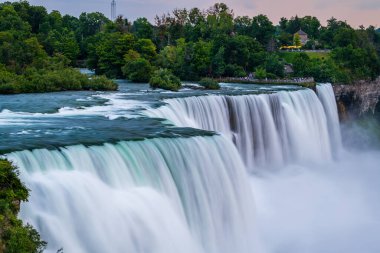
159	195
326	95
169	195
269	130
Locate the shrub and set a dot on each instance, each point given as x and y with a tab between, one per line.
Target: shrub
164	79
233	70
138	70
100	83
210	83
260	73
14	236
52	80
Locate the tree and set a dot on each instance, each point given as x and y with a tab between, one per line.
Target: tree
274	66
110	52
146	48
136	68
297	40
311	26
344	37
243	25
142	29
219	20
301	64
218	63
201	60
91	23
293	25
262	29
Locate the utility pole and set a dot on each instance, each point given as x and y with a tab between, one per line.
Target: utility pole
113	10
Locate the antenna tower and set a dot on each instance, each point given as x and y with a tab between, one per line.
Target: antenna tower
113	10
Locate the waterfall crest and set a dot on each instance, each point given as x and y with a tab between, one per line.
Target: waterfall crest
159	195
269	130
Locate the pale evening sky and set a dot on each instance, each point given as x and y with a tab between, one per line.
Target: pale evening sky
356	12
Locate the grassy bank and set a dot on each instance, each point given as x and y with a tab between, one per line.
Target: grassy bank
290	56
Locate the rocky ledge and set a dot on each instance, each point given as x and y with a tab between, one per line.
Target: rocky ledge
358	99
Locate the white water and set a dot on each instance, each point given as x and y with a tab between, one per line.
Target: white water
162	195
330	208
269	130
326	95
115	107
193	195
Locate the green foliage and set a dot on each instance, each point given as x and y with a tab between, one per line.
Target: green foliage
261	73
262	29
138	70
201	59
164	79
36	49
218	63
53	80
14	236
297	40
233	70
274	65
209	83
191	43
142	28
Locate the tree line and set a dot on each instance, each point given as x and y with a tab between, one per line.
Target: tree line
190	43
37	53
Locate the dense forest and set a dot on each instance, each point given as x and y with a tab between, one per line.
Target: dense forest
37	48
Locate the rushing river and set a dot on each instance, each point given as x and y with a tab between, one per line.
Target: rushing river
245	169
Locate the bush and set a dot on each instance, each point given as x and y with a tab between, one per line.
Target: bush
271	76
34	80
210	83
100	83
164	79
233	70
138	70
14	236
260	73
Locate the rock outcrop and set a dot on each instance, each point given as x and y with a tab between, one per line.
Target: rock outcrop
358	99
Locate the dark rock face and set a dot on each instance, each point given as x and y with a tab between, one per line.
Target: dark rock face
355	101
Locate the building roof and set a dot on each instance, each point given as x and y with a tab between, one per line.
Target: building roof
300	32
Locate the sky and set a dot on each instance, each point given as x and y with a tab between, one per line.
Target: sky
355	12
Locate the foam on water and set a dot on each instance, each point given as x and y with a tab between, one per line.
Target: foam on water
160	195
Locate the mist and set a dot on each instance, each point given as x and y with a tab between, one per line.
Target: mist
326	207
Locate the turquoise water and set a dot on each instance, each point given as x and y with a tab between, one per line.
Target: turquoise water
49	120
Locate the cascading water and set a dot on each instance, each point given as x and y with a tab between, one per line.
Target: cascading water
189	195
269	130
160	195
326	95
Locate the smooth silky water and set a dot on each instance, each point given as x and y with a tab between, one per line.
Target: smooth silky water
245	169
